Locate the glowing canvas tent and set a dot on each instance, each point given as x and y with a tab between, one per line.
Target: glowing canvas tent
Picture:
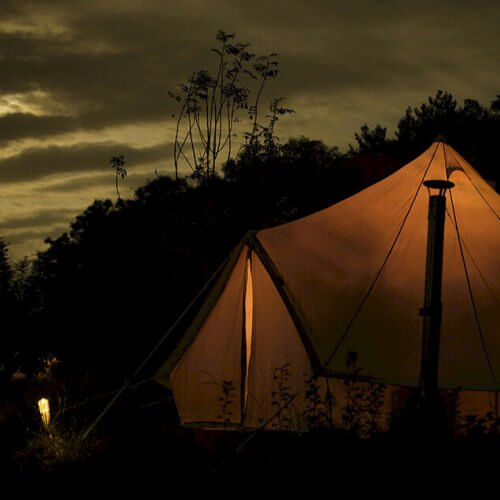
297	298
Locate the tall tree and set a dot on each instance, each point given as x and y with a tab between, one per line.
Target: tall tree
210	107
117	163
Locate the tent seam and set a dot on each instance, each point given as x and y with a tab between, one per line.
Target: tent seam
471	294
475	187
474	261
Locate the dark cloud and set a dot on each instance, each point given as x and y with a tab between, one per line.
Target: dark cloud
125	81
132	181
42	218
36	163
21	237
15	126
116	63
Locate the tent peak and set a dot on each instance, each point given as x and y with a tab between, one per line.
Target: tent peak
438	184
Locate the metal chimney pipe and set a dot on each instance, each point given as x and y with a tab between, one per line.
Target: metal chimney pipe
432	310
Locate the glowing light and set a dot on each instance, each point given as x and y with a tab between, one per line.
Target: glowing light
44	407
248	322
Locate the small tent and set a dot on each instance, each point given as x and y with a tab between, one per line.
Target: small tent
296	302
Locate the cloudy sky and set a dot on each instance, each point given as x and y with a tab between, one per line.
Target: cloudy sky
81	80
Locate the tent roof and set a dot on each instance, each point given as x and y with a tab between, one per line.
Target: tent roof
354	273
350	278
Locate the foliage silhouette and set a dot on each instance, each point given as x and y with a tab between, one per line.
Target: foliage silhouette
280	397
117	163
210	105
470	128
317	412
226	401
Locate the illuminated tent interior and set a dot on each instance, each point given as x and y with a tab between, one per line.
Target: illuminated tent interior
301	298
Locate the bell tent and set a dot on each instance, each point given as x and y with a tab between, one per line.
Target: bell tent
298	305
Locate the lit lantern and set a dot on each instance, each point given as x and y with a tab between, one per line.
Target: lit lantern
43	406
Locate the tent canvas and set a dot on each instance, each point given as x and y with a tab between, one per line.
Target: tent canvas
298	299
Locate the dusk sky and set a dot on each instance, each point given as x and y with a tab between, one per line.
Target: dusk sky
81	80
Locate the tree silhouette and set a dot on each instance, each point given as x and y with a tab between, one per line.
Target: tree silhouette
5	269
470	128
117	164
7	306
210	107
495	105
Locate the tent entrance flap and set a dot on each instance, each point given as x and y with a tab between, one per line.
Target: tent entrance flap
246	358
207	379
246	351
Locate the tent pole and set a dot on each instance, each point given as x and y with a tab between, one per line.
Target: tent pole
432	310
298	319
